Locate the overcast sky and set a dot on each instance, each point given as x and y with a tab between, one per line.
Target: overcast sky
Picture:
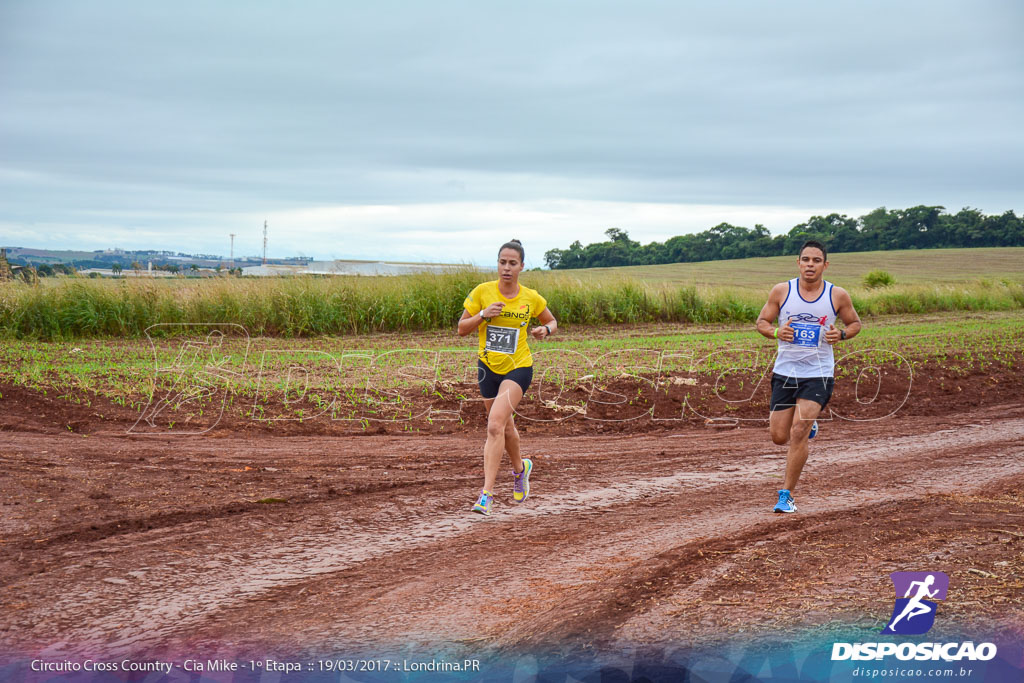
435	131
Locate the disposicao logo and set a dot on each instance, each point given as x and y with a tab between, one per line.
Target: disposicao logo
914	614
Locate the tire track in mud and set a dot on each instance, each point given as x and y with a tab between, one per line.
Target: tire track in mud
230	566
167	520
631	601
638	565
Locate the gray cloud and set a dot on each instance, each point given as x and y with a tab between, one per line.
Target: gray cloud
163	111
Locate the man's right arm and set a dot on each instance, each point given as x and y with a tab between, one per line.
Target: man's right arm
770	313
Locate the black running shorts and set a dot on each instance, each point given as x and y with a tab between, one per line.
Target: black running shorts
489	380
786	390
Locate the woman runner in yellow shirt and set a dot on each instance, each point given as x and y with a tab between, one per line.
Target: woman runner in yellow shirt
500	311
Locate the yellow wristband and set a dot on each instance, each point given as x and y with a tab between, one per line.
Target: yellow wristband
775	333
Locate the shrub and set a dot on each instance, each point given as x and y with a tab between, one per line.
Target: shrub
878	278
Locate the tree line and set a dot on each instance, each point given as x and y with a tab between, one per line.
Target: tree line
919	227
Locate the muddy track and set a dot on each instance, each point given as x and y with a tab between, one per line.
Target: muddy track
305	544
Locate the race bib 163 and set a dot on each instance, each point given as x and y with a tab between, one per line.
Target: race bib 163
806	334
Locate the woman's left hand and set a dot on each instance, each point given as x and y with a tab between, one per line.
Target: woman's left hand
539	332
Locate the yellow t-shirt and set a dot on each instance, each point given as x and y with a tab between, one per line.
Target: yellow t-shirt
503	346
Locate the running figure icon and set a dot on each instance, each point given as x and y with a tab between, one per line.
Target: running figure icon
915	607
914	613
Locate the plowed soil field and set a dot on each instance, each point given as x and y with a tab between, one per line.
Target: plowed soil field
640	534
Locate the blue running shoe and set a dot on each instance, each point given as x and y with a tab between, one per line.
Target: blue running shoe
785	503
483	503
521	488
814	430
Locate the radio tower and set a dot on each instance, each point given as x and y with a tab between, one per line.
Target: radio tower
232	250
264	243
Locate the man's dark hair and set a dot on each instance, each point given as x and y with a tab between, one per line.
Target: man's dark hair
514	244
817	245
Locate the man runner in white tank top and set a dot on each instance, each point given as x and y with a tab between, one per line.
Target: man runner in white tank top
806	309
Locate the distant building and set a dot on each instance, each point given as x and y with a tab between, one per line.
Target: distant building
351	268
126	272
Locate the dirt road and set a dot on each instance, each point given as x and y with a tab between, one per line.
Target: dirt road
230	544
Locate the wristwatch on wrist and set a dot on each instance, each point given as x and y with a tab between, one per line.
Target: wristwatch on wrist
549	331
842	334
486	320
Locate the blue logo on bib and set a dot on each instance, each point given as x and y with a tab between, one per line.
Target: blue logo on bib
806	334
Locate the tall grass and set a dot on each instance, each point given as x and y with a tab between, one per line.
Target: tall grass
70	308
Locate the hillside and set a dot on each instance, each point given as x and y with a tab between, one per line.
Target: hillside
926	266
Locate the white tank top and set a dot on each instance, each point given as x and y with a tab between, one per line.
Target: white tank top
808	355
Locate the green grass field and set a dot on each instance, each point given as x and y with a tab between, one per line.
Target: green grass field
925	266
130	372
730	291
